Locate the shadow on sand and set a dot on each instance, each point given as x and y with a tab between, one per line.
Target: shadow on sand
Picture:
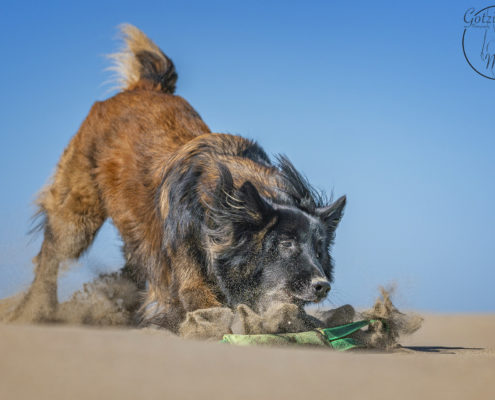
442	349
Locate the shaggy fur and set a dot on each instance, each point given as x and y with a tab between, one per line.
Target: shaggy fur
206	219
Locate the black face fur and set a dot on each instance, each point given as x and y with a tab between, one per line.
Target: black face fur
266	250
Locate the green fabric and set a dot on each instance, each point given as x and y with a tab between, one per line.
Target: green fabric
344	344
336	337
303	338
341	331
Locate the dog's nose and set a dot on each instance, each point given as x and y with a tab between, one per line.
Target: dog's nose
320	288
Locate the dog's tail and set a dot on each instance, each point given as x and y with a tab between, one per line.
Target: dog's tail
141	63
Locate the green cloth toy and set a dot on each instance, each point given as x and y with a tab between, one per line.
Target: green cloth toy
336	337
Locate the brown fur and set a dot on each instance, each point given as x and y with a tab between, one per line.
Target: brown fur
115	167
195	209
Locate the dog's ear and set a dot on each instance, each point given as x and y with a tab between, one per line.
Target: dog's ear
255	211
332	214
242	209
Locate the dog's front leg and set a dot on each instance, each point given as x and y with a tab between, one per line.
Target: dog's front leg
194	291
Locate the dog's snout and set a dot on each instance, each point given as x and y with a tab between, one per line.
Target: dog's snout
320	288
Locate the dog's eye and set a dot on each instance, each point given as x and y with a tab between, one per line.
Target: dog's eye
288	244
319	246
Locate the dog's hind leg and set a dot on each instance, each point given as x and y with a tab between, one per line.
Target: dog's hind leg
73	213
66	236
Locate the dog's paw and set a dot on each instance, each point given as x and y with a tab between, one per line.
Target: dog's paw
31	307
246	321
284	318
8	306
338	316
209	323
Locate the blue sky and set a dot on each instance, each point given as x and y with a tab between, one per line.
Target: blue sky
372	100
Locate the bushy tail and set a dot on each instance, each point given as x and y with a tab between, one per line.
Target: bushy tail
141	63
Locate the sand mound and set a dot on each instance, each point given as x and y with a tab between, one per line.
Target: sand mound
112	300
109	300
390	323
383	333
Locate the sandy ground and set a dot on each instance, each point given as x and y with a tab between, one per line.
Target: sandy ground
451	357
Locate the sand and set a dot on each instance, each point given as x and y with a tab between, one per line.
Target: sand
107	357
112	300
450	357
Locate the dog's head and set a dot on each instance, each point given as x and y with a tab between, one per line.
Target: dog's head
263	250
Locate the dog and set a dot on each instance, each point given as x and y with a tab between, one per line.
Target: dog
207	219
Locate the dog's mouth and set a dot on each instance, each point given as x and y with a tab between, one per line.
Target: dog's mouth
306	298
299	298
